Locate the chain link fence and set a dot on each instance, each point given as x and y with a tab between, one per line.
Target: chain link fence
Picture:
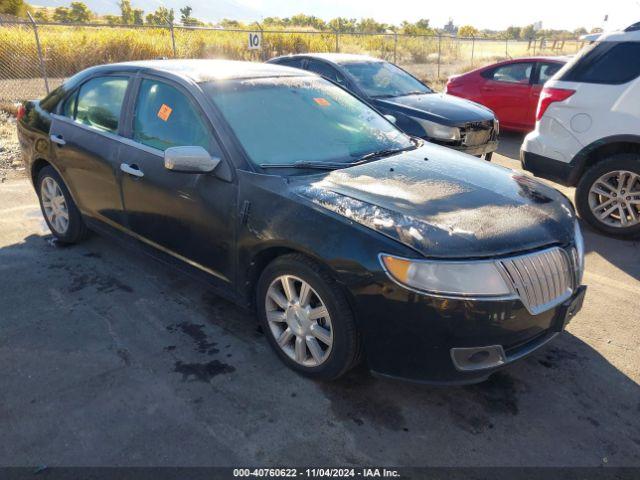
37	57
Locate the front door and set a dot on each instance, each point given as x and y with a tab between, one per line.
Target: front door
85	138
507	92
190	216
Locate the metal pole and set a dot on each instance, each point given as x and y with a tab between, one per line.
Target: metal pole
473	47
395	47
173	39
506	47
43	68
439	51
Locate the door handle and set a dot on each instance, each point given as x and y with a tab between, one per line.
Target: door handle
57	139
131	170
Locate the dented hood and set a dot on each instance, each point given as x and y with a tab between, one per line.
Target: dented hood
446	204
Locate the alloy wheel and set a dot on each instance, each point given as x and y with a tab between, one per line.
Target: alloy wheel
299	320
614	199
54	205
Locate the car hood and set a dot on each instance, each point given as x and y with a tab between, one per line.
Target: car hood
445	109
445	204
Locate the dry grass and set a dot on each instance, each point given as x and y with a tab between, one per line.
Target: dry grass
10	156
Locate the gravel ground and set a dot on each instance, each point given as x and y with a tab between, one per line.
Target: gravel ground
10	157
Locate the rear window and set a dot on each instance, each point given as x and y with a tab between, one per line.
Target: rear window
611	63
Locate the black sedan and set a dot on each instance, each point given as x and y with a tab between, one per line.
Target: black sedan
292	197
418	110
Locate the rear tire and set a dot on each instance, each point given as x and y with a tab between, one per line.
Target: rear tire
58	208
608	196
318	345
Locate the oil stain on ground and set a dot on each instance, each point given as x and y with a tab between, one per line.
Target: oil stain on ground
353	399
202	372
196	332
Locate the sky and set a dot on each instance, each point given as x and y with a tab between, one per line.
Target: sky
491	14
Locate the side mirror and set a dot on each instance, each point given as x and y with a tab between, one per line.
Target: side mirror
391	118
189	160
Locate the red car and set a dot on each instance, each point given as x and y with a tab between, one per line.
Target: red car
510	88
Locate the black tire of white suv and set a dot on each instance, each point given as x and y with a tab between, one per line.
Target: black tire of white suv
608	196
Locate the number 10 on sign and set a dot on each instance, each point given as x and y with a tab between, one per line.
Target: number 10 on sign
255	40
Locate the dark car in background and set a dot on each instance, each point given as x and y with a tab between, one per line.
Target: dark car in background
510	88
349	238
418	110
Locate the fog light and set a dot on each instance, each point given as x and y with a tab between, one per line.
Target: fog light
478	358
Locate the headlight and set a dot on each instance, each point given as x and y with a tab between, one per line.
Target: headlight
438	131
449	278
579	239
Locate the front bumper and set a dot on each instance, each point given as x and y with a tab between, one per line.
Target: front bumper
476	150
414	336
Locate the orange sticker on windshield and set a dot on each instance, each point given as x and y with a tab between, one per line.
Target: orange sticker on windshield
165	112
323	102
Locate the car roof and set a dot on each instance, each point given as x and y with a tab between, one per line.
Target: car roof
205	70
632	36
338	58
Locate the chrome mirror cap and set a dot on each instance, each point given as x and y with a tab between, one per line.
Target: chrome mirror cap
189	160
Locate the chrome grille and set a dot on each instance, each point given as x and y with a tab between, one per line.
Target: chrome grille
542	280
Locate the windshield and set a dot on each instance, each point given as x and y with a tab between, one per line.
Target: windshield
292	119
383	79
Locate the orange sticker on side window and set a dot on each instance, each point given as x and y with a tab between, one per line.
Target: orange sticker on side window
323	102
165	112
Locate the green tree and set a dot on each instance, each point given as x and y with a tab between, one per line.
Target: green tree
302	20
41	15
421	27
579	31
369	25
513	33
162	16
126	12
342	24
138	16
468	31
185	15
17	8
528	33
79	13
62	15
112	19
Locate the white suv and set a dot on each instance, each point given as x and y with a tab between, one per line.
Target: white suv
587	132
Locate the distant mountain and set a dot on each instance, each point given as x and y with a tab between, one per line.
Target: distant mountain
206	10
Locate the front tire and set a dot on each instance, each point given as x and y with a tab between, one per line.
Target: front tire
306	317
58	208
608	196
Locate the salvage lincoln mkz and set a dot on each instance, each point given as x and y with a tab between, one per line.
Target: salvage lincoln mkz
350	239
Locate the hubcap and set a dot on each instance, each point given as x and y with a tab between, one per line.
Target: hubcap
299	320
614	199
54	205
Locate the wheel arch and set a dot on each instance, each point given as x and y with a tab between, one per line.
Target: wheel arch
601	150
264	256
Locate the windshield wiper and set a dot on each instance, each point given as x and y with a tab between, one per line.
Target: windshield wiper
304	164
387	152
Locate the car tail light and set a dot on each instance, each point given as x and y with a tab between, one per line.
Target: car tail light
549	96
20	112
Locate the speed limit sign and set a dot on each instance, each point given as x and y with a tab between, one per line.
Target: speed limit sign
255	40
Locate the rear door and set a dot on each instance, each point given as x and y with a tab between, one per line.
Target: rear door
507	92
85	136
190	216
543	72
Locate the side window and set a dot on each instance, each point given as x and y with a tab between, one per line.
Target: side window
612	63
327	71
295	62
165	117
547	70
99	102
69	107
512	73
